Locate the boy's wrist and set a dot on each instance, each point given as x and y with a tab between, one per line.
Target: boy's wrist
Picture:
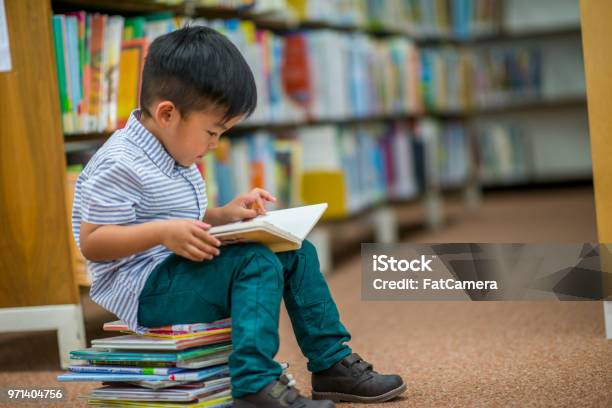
215	216
222	216
225	216
158	232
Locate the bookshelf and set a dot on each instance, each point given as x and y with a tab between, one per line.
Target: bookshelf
432	196
598	63
38	290
35	238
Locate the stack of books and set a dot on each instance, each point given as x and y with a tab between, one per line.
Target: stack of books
179	365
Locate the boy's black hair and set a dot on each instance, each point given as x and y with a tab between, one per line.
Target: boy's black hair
198	69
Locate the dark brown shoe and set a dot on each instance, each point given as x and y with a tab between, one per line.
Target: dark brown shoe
353	379
279	393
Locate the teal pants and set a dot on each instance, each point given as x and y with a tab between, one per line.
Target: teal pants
247	282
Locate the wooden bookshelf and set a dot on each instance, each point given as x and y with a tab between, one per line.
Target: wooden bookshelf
38	289
596	17
35	247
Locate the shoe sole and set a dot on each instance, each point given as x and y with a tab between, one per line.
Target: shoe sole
340	397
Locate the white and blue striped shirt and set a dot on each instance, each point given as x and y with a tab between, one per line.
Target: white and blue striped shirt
132	179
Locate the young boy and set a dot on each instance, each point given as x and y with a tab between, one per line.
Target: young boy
140	218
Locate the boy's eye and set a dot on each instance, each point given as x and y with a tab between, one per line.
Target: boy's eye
212	134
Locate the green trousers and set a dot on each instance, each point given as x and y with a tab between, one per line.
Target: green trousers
246	282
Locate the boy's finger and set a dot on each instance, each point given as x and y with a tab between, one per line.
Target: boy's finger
202	224
261	207
255	201
248	213
206	247
206	237
195	254
267	196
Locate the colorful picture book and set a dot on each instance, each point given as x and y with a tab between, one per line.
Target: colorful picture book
184	375
171	357
113	369
158	343
219	400
176	329
199	362
186	393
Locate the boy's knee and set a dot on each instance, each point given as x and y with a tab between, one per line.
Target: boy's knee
265	260
260	250
309	250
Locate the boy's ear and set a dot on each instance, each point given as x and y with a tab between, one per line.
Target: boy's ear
165	113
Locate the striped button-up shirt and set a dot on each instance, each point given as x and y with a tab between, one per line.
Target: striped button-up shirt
132	179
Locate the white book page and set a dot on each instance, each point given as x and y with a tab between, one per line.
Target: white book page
298	221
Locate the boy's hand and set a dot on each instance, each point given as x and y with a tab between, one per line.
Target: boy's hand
247	205
190	239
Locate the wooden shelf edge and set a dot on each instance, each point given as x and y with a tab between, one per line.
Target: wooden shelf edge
83	279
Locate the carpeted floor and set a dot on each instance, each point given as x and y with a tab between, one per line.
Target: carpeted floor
459	354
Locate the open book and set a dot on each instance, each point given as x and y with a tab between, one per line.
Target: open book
280	230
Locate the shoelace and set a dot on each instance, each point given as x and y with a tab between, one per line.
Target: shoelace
291	382
286	391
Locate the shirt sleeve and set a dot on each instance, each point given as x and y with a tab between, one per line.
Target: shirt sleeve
110	194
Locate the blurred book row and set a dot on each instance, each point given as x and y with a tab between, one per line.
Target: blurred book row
301	76
422	18
510	154
351	167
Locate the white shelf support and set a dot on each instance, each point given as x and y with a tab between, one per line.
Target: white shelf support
434	210
67	320
607	305
472	197
385	225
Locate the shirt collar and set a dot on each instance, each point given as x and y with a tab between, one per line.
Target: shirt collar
152	147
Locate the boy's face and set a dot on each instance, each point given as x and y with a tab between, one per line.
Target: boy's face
189	138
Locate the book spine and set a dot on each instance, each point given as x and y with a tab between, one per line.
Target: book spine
199	375
124	370
61	69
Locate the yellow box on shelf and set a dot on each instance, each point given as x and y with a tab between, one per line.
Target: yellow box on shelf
326	186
